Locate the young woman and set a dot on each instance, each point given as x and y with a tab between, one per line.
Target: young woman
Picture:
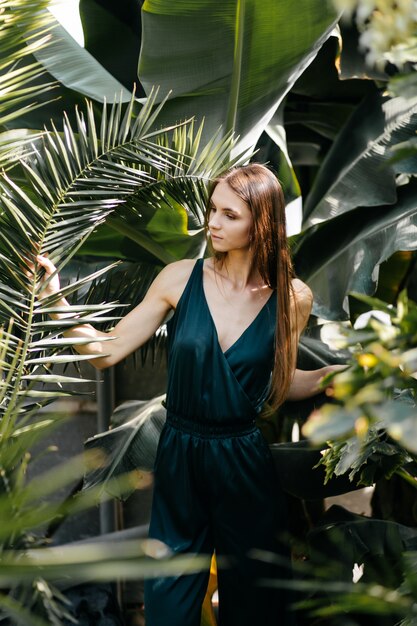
233	337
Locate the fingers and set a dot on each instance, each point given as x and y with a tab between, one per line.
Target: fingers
46	264
29	270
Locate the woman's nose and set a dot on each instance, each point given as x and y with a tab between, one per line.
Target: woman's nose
213	223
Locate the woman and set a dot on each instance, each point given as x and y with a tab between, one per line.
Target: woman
233	336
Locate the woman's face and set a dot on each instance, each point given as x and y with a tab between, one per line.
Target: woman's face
230	220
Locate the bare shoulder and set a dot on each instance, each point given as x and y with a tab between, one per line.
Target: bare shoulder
177	273
302	292
303	297
172	279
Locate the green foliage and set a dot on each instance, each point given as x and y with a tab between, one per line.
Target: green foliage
372	425
352	245
165	217
233	65
73	180
129	446
347	177
25	27
105	181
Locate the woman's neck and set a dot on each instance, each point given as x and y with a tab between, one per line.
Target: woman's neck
237	267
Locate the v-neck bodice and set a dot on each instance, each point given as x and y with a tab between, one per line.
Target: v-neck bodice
246	330
204	382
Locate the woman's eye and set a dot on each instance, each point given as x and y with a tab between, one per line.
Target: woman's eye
230	216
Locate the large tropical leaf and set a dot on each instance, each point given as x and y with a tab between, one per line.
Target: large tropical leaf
356	170
77	69
351	247
288	179
352	59
343	539
132	445
40	54
120	23
324	118
233	64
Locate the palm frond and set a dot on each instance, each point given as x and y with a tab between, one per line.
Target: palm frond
74	181
126	283
165	217
25	28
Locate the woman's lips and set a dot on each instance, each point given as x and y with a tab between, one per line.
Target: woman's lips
215	236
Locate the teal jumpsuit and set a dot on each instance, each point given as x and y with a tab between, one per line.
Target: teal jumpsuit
215	488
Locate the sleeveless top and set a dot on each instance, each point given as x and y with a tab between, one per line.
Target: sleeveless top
205	383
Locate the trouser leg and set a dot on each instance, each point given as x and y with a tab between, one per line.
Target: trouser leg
175	601
249	521
179	519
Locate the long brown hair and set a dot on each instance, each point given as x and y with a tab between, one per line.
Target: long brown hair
260	189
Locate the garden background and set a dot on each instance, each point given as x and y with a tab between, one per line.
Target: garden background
106	154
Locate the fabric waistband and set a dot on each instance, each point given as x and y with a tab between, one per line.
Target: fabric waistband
206	428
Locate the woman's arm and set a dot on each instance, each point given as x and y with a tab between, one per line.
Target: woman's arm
307	383
137	326
303	298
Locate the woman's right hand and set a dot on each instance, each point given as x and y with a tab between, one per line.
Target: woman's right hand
53	285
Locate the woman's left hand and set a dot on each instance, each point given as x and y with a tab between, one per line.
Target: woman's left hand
308	383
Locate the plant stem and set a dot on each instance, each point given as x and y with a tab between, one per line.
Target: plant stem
237	67
412	480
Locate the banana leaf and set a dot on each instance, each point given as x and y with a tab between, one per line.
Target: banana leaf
324	118
77	69
232	64
130	446
120	23
344	538
24	84
320	81
394	275
351	247
356	171
288	179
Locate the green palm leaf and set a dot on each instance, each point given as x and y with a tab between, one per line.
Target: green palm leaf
96	561
75	180
19	20
25	29
165	217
